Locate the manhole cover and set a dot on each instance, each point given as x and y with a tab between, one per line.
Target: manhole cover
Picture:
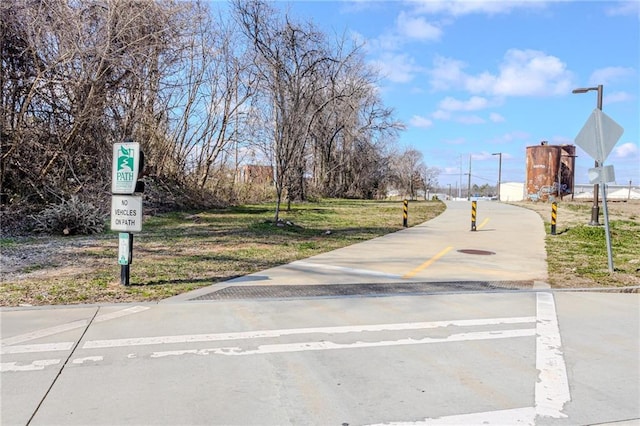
473	251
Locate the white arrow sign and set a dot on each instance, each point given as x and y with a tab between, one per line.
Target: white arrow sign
599	135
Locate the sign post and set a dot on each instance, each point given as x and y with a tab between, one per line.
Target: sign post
126	208
597	138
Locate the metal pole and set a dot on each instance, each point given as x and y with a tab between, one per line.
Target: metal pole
125	269
460	179
554	217
606	228
469	181
595	210
499	154
405	213
499	174
474	206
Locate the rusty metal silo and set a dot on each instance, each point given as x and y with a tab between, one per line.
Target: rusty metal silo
550	171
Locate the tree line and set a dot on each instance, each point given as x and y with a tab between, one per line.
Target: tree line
204	90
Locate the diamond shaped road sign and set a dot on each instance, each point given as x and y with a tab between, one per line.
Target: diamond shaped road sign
599	135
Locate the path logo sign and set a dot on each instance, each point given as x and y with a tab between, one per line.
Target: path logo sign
126	160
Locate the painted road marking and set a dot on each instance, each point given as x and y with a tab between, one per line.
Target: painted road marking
42	347
44	332
34	366
326	345
121	313
427	263
484	222
515	416
69	326
305	266
259	334
87	359
195	338
551	389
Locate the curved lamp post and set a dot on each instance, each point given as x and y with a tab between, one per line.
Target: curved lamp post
595	210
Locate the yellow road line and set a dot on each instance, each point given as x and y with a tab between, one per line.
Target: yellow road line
427	263
484	222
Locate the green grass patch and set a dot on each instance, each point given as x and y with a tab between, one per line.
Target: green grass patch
579	255
181	251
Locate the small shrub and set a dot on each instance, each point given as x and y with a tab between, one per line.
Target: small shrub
70	217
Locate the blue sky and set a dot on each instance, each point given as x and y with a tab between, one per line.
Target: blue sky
479	77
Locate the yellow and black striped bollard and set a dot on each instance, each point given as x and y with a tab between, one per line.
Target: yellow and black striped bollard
474	207
405	213
554	217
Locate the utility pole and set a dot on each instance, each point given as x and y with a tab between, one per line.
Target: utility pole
499	154
469	180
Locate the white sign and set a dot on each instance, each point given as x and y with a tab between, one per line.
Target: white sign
126	213
604	174
599	135
123	248
126	161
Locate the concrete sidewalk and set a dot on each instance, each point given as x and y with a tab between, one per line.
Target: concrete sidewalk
478	357
507	246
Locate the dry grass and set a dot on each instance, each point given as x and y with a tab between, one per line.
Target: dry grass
183	251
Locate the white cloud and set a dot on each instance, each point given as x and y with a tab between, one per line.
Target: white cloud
609	74
446	73
511	137
456	141
470	119
482	156
489	7
400	68
473	104
441	115
626	150
531	72
422	122
616	97
417	27
522	73
496	118
624	8
451	170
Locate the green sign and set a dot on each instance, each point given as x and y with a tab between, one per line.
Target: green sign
123	248
126	158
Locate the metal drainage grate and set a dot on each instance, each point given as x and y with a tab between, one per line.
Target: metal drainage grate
374	289
474	251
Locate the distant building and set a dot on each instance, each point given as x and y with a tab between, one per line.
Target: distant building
511	191
254	173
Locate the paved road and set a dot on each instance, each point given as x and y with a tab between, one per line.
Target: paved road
504	350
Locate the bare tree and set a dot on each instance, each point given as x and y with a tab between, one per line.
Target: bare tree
305	79
73	82
406	168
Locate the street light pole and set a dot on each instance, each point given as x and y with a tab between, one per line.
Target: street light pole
469	181
499	154
595	210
